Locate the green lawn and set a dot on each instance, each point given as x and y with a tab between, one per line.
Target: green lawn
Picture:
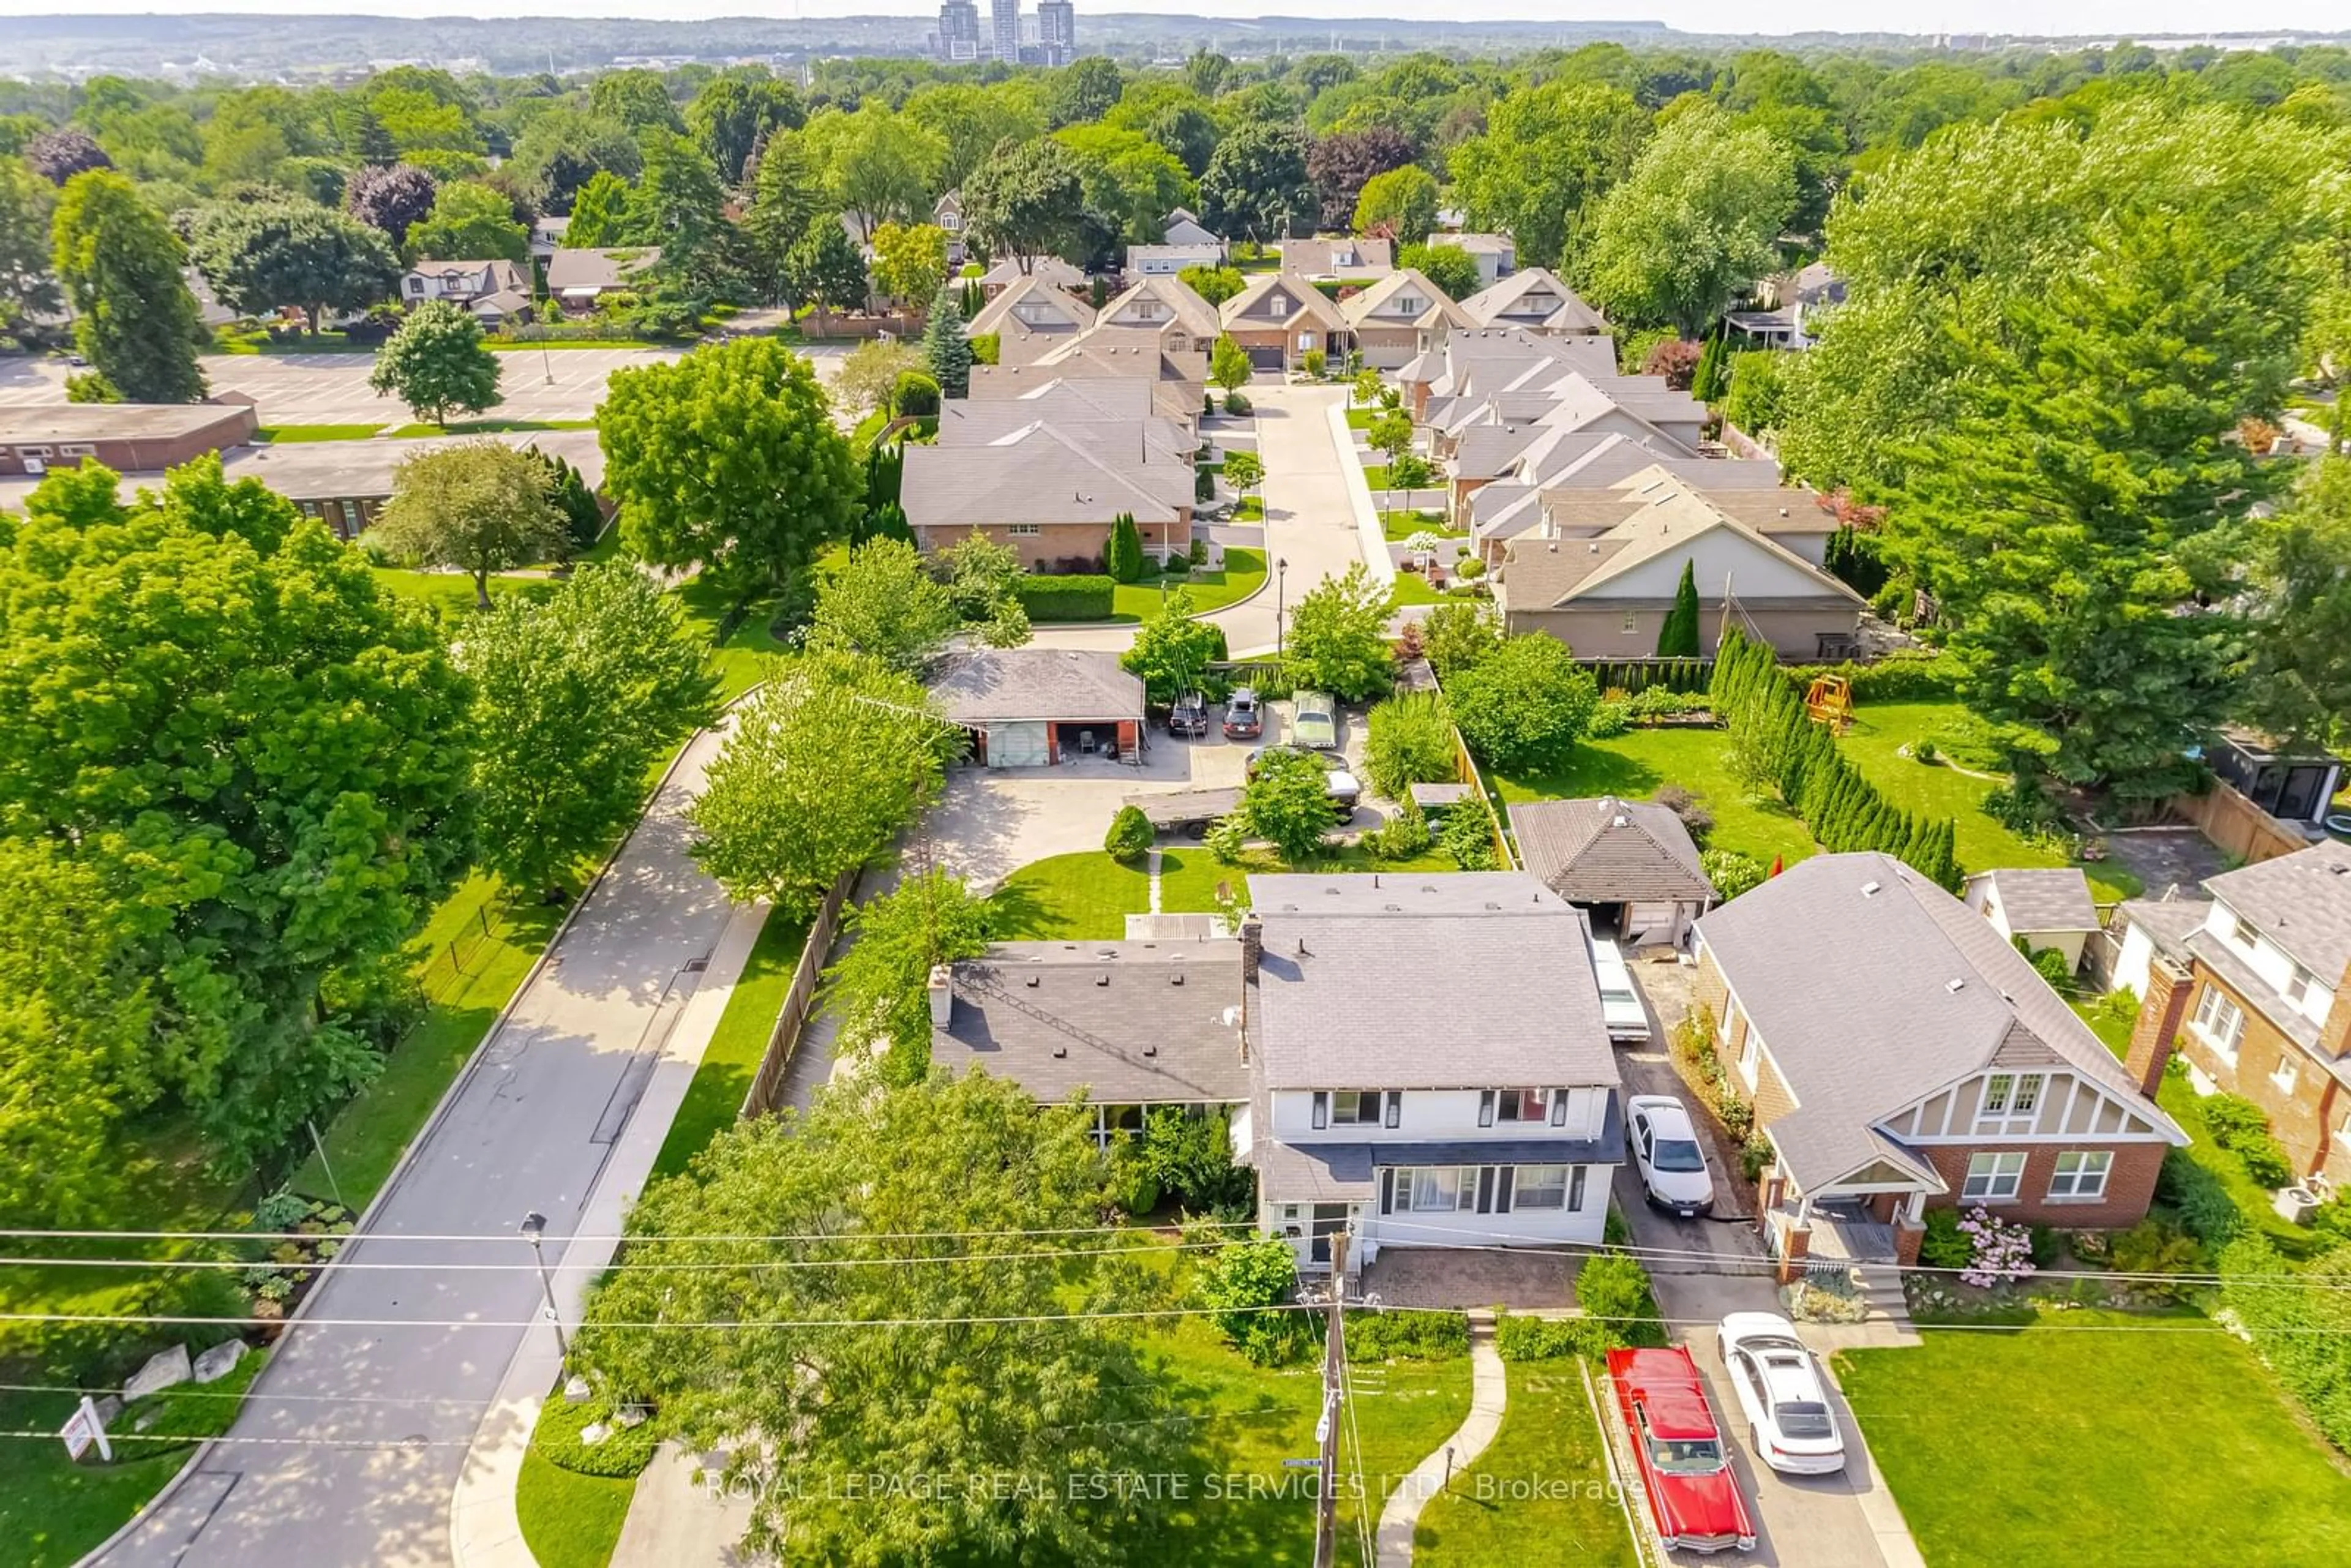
1086	896
1243	574
1400	526
489	427
1248	510
53	1511
743	658
1543	1480
1260	1512
451	593
1640	762
282	434
1411	588
2057	1444
257	341
732	1058
569	1519
1361	418
532	345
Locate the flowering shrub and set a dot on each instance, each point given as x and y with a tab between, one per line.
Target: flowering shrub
2003	1253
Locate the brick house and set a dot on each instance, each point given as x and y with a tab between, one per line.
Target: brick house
128	437
1053	491
2250	984
1900	1055
1279	317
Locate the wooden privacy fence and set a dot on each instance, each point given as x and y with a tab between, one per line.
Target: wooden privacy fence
2236	826
767	1084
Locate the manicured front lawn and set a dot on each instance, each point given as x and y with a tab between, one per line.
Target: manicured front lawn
1411	588
569	1519
490	427
732	1058
2060	1444
282	434
449	593
257	341
1400	526
743	658
1543	1480
1242	575
1361	418
1248	510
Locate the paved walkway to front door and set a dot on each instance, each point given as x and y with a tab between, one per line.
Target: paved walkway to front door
1488	1391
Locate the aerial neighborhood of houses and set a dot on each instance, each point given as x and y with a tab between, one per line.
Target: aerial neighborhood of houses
747	806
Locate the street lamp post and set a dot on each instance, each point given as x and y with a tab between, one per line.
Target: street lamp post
1280	572
534	1226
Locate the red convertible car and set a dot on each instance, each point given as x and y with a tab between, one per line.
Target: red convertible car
1694	1496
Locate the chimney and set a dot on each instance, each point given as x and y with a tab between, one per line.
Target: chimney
2168	987
1252	949
941	987
2335	1034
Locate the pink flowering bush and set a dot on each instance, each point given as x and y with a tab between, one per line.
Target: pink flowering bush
2002	1254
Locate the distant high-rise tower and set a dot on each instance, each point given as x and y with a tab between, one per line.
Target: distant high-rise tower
1057	31
1003	35
959	30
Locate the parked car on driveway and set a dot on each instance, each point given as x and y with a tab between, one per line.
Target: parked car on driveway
1694	1496
1189	716
1620	1004
1778	1384
1665	1150
1244	716
1314	721
1343	785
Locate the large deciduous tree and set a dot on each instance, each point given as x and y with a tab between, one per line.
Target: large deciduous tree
1026	199
477	506
1340	164
677	200
600	213
1450	268
58	155
576	698
1523	707
1338	640
728	459
436	364
276	793
470	222
28	289
910	261
1401	202
261	256
564	148
134	320
1548	154
392	198
637	98
904	1386
1693	225
736	112
1173	649
880	166
827	763
884	604
1256	184
2299	685
786	199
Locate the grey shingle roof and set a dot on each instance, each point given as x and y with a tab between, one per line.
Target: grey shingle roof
607	267
983	685
2302	902
1041	1014
1844	963
1605	850
1449	979
1042	473
1539	574
2044	898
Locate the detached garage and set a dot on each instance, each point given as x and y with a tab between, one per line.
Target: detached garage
1039	707
1630	864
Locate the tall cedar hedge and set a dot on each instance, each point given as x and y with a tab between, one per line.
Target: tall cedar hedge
1844	810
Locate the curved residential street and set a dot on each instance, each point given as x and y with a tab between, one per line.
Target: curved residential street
1309	519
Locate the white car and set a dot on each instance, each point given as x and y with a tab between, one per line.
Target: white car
1666	1149
1778	1384
1620	1004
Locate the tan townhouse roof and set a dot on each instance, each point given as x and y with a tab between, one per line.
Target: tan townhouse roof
1378	305
1247	309
570	271
1506	301
1553	574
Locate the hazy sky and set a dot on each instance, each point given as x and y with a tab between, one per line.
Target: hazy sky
2022	17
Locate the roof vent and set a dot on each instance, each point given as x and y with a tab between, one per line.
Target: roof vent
1621	821
2338	869
1955	985
1176	978
1869	889
1150	1051
1302	948
1032	981
1783	511
1102	979
1059	1052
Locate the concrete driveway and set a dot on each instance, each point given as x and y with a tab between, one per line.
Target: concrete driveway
1703	1269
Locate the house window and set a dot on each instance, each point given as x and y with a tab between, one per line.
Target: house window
77	450
1575	1179
1631	623
1433	1190
1750	1056
1277	306
2010	1101
2285	1075
2220	1022
1993	1178
951	221
416	286
1355	1108
1523	1104
1024	530
2297	989
2245	935
2081	1176
1541	1186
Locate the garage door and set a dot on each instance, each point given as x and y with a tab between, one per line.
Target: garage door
1649	922
1265	356
1017	745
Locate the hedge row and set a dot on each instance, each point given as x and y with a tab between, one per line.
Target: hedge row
1636	676
1897	678
1780	742
1082	596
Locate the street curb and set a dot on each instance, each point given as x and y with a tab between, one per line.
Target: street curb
1370	539
170	1489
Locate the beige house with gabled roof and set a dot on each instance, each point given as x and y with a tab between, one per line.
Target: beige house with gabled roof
1402	315
1278	318
1030	318
1050	491
1536	299
1607	595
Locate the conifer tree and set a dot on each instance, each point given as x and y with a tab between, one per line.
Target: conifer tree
946	349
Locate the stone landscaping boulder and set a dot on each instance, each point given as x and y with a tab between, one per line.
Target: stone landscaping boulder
164	1369
576	1390
594	1433
219	1362
632	1416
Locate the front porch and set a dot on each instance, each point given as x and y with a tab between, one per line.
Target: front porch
1836	1231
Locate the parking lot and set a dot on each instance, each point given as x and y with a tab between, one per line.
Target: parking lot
332	389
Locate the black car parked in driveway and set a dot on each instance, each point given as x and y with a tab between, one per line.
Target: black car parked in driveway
1189	716
1244	718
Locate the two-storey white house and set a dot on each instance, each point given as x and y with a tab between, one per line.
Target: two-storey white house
1428	1064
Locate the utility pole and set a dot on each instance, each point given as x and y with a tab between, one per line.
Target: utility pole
1334	1374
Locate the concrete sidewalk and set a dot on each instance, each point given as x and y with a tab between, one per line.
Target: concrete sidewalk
355	1438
